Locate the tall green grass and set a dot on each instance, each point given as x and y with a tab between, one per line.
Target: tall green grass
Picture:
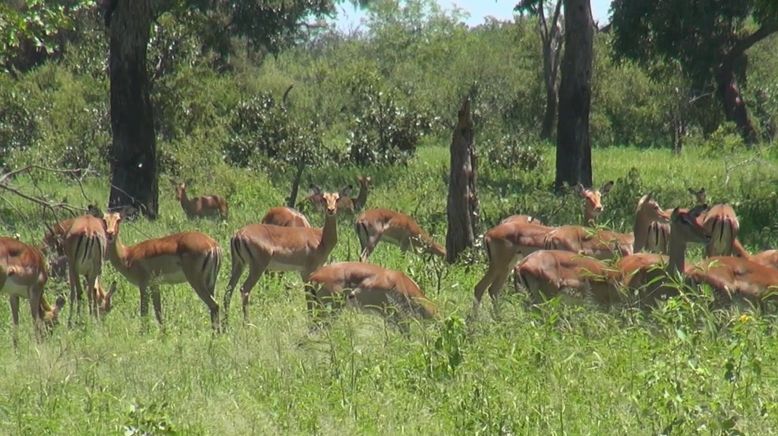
558	369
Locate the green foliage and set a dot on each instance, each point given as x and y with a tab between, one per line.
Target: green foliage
514	151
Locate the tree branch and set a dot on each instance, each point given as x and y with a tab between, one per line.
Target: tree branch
747	42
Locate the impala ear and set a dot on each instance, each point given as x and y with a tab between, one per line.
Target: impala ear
579	189
315	190
345	191
606	188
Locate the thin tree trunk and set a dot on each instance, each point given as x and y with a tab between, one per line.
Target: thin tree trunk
550	36
292	200
462	207
134	151
573	151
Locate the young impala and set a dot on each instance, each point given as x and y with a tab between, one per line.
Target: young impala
191	257
375	225
369	287
351	205
23	275
264	247
592	206
207	205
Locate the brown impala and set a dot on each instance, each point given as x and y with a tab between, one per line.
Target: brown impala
207	205
369	287
285	217
264	247
191	257
397	228
23	275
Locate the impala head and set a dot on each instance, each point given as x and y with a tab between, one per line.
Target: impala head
330	200
112	220
700	196
51	317
364	181
593	199
684	224
104	300
180	190
650	209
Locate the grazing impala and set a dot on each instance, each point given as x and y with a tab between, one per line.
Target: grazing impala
85	246
352	205
598	243
592	206
264	247
375	225
722	223
546	274
506	244
23	275
191	257
207	205
369	287
286	217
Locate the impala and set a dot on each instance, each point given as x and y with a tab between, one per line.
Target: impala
85	246
523	219
375	225
23	275
766	258
207	205
390	293
191	257
546	274
592	206
55	235
598	243
735	279
506	244
286	217
722	223
264	247
646	272
651	229
351	205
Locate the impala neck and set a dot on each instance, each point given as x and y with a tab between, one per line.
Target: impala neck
184	198
117	253
362	197
677	254
329	233
640	231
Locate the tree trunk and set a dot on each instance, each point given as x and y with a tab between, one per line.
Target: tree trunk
573	150
292	200
134	151
550	36
734	106
462	207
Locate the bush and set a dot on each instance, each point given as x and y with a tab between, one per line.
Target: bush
514	151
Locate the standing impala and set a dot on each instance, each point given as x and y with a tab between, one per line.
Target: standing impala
85	246
286	217
191	257
397	228
352	205
506	243
722	223
369	287
264	247
23	275
207	205
652	228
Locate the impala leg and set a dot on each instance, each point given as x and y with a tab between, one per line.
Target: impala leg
36	294
495	289
492	272
237	271
14	301
91	294
369	246
156	299
144	300
255	272
75	294
205	288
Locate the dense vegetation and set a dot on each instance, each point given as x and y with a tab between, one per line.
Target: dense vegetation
383	103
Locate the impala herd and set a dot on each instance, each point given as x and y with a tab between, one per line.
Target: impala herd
576	262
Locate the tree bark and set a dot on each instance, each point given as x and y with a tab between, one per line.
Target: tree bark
573	151
550	37
734	105
462	207
134	151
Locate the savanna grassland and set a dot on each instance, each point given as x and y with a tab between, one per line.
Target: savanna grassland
681	368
